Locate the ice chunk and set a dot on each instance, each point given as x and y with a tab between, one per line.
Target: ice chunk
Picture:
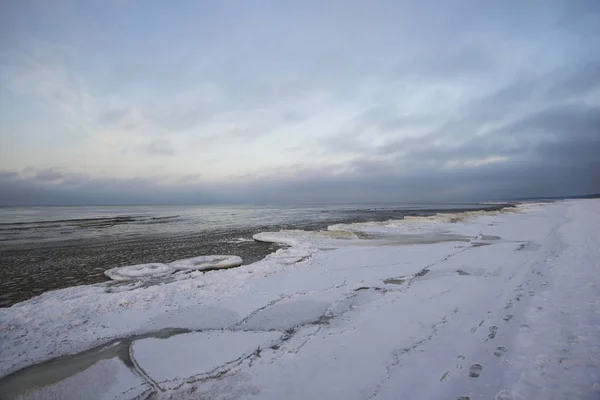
139	271
206	262
171	361
482	240
287	314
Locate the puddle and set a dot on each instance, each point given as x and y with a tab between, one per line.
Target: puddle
425	239
489	237
394	281
55	370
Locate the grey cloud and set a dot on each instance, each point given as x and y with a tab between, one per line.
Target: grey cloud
576	119
159	146
48	175
113	116
525	106
567	127
176	120
8	175
464	62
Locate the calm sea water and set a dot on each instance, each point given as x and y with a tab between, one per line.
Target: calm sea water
46	248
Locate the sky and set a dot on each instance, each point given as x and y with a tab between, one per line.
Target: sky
156	102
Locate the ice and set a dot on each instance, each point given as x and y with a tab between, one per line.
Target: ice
140	271
291	255
157	270
196	355
507	306
193	317
106	379
286	315
301	238
206	262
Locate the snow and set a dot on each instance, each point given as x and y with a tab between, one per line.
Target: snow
206	262
479	305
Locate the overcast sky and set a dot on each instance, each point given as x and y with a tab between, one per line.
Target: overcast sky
126	101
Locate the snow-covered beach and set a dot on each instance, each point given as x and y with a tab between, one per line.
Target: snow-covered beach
502	304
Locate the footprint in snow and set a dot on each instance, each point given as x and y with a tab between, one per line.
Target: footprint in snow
500	350
445	376
508	317
459	362
493	332
475	370
504	395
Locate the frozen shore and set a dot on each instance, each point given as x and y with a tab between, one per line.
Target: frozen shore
502	305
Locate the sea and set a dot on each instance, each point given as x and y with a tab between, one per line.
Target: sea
51	247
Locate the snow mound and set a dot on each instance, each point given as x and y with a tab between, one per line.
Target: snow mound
206	262
139	271
291	255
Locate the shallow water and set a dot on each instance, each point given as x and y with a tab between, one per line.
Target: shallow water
50	372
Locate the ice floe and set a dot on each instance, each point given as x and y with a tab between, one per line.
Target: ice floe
157	270
139	271
202	263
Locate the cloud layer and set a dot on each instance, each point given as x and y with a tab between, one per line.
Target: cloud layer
147	102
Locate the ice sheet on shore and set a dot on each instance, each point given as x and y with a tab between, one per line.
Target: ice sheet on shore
432	224
195	355
301	238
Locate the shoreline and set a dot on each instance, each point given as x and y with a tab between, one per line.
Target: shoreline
30	269
309	292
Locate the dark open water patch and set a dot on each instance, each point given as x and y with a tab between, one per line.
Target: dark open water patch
28	271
